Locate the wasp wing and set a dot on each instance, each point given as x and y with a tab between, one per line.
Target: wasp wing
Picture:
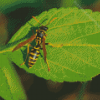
44	49
25	42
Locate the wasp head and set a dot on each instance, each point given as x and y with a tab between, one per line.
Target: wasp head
44	28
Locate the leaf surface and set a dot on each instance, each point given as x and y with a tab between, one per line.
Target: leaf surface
79	57
10	85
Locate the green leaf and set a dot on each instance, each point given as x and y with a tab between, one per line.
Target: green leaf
79	57
10	85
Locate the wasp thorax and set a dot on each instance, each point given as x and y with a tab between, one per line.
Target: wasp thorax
40	34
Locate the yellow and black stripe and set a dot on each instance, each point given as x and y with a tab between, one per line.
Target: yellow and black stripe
33	55
38	40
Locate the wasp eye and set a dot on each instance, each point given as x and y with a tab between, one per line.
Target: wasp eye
44	28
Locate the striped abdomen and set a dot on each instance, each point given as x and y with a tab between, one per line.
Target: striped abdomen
33	55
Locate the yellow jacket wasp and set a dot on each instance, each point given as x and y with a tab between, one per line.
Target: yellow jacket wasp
40	40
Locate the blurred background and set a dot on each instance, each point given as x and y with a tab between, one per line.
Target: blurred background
14	14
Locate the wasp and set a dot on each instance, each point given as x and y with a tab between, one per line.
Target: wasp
40	42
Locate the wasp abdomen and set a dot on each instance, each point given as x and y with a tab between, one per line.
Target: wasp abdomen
33	56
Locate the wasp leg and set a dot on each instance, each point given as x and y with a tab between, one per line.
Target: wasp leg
48	65
45	35
30	45
27	54
45	53
53	45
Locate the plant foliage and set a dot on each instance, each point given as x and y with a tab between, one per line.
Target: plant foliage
79	57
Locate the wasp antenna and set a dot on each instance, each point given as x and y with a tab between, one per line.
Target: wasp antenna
36	20
51	21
